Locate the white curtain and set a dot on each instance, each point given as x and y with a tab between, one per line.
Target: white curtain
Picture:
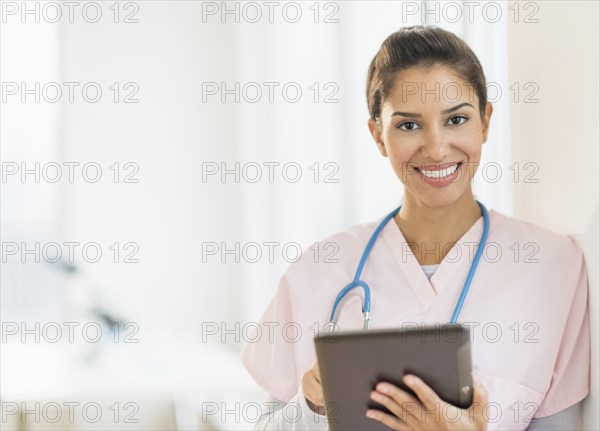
29	205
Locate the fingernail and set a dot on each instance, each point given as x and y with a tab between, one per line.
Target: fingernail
383	387
476	379
409	380
376	396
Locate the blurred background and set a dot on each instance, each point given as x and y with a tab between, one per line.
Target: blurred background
163	163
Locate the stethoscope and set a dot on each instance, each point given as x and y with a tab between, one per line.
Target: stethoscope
366	308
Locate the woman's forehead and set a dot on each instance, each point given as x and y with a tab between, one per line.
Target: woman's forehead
438	87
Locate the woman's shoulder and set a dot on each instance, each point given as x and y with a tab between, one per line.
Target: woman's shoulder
352	235
334	254
521	233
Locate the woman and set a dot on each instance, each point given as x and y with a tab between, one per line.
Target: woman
526	307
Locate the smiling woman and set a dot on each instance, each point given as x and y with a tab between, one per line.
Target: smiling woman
429	115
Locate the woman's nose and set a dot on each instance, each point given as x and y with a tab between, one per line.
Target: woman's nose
435	146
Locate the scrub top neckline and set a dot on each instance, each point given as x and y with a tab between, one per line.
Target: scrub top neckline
458	255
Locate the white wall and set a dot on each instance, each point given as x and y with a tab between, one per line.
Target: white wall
560	134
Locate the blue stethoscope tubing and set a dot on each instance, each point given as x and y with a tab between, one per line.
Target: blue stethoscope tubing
366	308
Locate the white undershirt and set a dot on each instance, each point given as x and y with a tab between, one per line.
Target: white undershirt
429	269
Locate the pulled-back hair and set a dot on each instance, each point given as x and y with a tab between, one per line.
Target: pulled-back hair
421	47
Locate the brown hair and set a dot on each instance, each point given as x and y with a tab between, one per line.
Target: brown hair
422	47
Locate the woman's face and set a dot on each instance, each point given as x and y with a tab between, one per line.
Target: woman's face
432	132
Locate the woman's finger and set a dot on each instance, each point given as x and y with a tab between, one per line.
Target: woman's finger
400	403
317	371
426	395
316	391
480	397
390	404
313	391
388	420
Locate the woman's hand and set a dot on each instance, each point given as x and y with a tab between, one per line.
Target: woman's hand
431	413
313	391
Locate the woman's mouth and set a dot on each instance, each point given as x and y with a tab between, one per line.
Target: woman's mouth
440	174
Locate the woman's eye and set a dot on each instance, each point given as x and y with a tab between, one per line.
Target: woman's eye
457	120
408	125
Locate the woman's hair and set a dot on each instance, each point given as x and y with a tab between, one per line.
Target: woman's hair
422	47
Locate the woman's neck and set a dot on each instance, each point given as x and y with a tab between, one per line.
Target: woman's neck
432	231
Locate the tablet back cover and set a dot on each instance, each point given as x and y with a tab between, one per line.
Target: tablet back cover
352	363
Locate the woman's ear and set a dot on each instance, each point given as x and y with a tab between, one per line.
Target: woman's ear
376	133
486	120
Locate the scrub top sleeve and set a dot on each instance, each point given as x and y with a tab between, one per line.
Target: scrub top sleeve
570	379
268	357
295	415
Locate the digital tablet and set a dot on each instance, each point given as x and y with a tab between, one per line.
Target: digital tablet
353	362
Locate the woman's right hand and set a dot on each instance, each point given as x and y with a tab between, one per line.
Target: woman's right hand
313	391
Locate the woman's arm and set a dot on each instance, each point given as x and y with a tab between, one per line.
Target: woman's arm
563	420
294	415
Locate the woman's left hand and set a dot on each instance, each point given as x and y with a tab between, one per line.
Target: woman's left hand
429	412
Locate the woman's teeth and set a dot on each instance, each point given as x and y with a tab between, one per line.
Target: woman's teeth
440	174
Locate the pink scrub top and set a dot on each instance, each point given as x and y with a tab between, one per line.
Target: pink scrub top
526	309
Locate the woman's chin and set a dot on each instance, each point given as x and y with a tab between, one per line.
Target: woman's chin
440	198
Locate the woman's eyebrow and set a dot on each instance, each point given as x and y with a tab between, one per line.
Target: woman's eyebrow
445	111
